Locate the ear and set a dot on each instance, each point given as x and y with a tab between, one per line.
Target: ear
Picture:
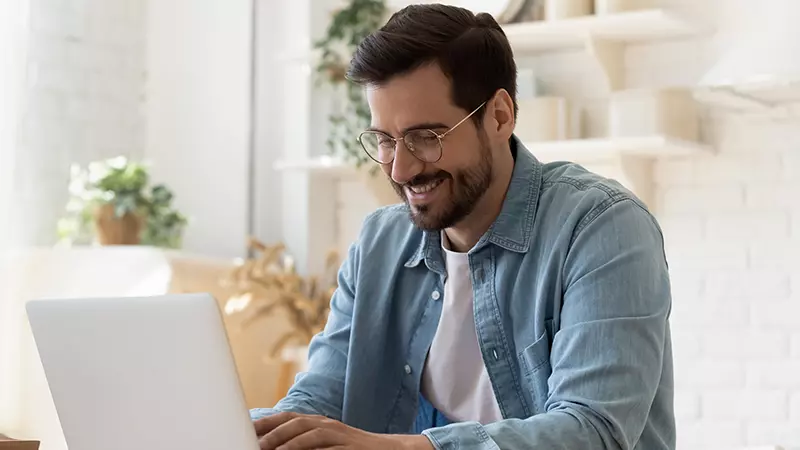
500	116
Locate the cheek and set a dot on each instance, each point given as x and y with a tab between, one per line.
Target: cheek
458	157
387	169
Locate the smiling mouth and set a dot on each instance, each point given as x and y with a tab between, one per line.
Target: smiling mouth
425	188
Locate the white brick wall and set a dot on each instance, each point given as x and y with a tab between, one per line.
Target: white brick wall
687	405
706	373
773	374
796	345
745	284
762	432
752	404
732	227
82	101
755	345
731	224
710	434
794	407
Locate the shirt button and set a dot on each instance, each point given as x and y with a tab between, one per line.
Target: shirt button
494	353
408	369
435	295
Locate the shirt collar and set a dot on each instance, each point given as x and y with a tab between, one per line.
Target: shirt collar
512	228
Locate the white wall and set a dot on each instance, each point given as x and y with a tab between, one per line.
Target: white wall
74	83
294	208
733	234
272	32
198	115
733	241
12	36
732	227
81	101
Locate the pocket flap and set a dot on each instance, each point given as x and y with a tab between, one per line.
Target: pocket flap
537	354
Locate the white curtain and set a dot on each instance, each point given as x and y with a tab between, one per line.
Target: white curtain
13	20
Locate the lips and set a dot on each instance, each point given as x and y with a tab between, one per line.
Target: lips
427	187
424	192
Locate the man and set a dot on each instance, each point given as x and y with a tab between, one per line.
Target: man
506	304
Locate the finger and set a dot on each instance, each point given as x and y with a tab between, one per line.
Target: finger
269	423
287	431
318	438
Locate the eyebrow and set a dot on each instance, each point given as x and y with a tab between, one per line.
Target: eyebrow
419	126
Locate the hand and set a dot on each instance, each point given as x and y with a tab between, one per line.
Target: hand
290	431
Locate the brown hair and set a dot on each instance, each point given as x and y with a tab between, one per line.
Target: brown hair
471	49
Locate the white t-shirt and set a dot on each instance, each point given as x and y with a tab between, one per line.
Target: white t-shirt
454	379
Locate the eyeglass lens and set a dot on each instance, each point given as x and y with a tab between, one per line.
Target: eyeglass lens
424	144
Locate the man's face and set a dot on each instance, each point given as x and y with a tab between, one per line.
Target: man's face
442	193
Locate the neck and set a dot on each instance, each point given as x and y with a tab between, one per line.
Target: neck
464	235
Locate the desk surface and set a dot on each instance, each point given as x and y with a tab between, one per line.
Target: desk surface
7	443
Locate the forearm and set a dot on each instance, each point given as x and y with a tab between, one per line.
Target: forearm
287	404
565	428
312	393
295	404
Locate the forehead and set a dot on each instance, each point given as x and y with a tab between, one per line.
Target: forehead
422	95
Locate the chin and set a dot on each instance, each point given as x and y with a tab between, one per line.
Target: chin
429	210
427	219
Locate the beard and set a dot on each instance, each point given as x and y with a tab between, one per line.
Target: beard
467	187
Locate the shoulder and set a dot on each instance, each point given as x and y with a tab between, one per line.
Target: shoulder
575	183
574	194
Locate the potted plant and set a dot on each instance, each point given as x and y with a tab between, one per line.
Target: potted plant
267	282
112	202
348	27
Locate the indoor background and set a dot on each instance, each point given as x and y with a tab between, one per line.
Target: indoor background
693	104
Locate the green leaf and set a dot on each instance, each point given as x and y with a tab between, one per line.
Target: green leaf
126	187
348	27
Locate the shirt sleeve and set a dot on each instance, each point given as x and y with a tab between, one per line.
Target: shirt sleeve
608	353
320	390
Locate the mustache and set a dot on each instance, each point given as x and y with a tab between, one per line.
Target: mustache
423	179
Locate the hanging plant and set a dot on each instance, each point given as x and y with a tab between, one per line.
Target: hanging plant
349	26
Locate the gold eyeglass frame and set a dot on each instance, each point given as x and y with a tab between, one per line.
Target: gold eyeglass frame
440	137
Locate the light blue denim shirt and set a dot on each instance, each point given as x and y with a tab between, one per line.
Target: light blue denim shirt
571	300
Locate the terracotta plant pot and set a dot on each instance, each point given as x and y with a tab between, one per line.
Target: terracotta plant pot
112	230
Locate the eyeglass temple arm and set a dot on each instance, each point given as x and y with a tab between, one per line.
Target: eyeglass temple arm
462	120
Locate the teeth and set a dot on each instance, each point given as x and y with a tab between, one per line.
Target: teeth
425	187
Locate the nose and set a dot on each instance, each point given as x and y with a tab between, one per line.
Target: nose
405	165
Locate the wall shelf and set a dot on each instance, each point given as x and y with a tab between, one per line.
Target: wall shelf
627	27
319	165
605	149
771	99
603	36
577	150
334	170
628	160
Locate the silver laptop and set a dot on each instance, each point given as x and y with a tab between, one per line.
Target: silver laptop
142	373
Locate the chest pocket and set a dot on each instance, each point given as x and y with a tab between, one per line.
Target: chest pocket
535	360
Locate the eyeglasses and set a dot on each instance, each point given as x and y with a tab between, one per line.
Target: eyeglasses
424	144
